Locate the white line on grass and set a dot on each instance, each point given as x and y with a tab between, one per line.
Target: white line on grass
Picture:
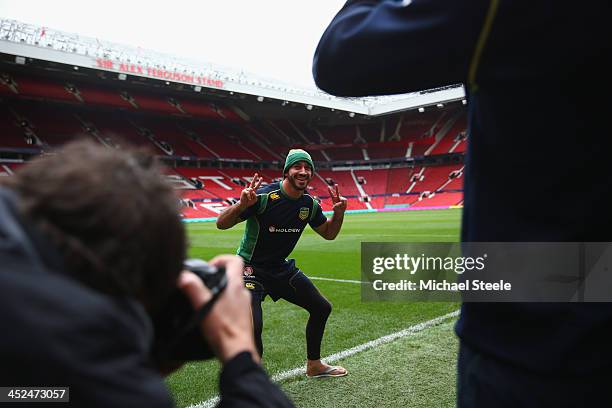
209	403
337	280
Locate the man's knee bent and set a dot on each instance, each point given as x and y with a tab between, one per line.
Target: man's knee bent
323	308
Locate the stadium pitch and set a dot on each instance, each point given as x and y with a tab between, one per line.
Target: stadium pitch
413	367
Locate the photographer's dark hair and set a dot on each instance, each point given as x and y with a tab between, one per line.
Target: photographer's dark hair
111	215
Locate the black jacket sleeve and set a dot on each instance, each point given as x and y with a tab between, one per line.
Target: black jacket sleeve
375	47
243	383
63	334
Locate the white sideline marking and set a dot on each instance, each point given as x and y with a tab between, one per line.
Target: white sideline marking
210	403
337	280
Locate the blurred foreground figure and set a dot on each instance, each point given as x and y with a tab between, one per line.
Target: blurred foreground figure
91	243
537	166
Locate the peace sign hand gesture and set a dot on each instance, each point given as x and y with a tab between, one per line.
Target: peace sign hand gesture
248	196
339	202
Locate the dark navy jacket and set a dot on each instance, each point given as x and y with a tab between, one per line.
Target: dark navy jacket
538	160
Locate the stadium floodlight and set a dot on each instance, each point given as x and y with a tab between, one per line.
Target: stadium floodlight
20	60
167	82
421	109
197	88
440	105
284	103
260	99
75	68
352	114
122	77
464	102
309	107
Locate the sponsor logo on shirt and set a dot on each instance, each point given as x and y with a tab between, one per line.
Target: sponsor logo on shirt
274	229
248	270
274	196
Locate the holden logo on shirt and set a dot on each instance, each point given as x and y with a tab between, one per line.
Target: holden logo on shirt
274	229
304	211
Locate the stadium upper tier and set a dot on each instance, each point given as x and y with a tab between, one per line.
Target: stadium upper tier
43	113
213	146
43	43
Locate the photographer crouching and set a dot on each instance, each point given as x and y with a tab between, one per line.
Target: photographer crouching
92	250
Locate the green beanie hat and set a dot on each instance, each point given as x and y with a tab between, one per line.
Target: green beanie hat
296	155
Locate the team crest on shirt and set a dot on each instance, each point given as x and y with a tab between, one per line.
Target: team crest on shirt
304	211
274	196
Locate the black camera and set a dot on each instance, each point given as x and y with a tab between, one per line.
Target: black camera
178	336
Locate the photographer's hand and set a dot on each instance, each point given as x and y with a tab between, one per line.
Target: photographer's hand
229	325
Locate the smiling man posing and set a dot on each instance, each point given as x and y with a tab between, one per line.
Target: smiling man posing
276	216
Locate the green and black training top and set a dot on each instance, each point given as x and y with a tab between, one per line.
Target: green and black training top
274	225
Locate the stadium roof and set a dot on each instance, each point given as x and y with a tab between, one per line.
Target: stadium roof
42	43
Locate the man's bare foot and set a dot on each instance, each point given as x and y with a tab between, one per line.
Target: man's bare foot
318	369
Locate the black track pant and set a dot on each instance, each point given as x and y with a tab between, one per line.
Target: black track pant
300	291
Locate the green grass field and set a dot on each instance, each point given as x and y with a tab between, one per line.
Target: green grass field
415	371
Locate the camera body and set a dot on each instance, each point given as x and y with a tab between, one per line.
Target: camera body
178	336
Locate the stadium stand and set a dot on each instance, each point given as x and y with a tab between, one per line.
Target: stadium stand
50	123
221	140
164	130
13	133
370	132
398	179
40	88
256	150
153	103
43	113
441	199
345	153
460	145
434	178
449	139
96	95
261	138
374	181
